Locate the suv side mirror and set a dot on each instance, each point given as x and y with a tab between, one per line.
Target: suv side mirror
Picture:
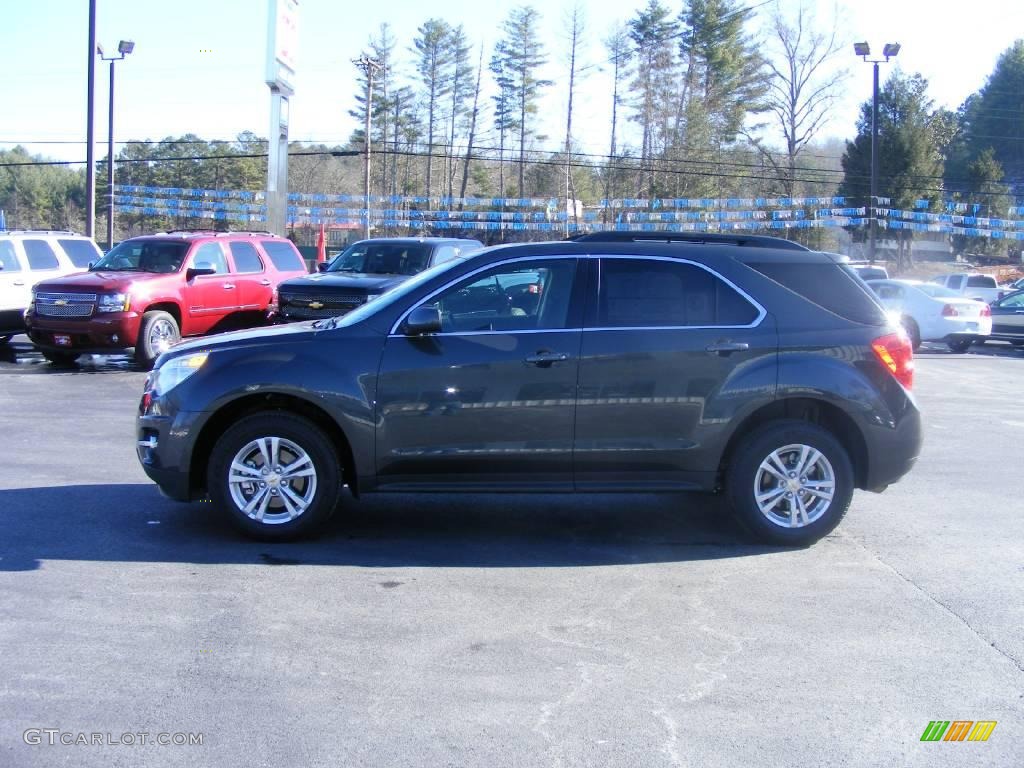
422	320
322	266
91	265
193	272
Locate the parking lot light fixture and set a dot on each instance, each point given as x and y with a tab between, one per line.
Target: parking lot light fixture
889	51
123	49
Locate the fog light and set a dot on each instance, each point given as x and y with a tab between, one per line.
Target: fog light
115	338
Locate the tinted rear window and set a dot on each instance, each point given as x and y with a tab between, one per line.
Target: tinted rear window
246	258
830	286
283	255
81	252
981	281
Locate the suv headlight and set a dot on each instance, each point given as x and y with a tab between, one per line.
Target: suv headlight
169	375
113	302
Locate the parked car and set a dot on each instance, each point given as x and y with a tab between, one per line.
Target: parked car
1016	285
770	374
868	271
148	292
28	256
930	312
363	271
972	285
1008	319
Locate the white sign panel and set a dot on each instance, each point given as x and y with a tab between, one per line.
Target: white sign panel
282	43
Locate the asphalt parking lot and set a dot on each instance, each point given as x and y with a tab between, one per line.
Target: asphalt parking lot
506	630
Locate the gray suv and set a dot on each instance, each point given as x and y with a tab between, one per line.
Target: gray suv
743	366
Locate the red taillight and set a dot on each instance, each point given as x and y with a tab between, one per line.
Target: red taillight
949	311
986	311
895	352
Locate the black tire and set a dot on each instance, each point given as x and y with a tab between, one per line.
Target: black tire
912	331
157	327
63	359
323	498
959	345
744	478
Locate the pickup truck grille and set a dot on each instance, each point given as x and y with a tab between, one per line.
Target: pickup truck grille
314	306
65	304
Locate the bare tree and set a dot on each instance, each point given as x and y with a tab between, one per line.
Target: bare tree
618	45
473	114
802	87
575	21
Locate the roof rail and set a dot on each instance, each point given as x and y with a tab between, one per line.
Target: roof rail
37	232
708	238
217	232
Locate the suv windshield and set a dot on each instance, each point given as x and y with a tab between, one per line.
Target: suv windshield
383	259
144	256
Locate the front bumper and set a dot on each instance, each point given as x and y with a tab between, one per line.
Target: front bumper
164	447
98	333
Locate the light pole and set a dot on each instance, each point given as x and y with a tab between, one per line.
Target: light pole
369	67
123	48
90	158
889	51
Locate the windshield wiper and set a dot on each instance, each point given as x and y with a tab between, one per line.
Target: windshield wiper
325	323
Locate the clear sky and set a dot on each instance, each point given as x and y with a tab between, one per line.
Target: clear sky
198	66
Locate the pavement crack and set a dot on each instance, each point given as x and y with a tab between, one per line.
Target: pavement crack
977	633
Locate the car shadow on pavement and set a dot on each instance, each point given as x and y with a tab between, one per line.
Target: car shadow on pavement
133	523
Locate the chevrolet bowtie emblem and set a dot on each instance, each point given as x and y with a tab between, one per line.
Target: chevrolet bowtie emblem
60	303
315	305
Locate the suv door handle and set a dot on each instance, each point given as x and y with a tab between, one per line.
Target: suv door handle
264	282
725	347
545	359
228	286
19	282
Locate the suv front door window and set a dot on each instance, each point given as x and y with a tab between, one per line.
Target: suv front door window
210	297
489	398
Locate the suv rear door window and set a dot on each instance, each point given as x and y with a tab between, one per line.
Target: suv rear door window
81	252
8	259
283	255
40	255
638	293
831	286
246	258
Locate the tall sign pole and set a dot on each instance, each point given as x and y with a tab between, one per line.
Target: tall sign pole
90	128
282	42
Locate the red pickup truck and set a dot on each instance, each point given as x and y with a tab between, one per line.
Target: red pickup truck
150	291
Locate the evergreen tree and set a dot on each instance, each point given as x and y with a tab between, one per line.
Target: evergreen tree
434	65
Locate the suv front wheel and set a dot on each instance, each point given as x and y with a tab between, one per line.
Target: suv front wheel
277	476
158	332
790	483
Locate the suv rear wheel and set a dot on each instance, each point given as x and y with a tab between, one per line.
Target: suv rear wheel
790	483
276	474
158	331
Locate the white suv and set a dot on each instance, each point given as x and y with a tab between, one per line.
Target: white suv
28	256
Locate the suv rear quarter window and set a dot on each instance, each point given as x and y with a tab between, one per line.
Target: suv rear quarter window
981	281
638	293
831	286
283	255
40	255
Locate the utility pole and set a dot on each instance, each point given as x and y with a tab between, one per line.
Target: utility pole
369	67
90	156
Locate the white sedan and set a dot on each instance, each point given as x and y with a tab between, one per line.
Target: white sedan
931	312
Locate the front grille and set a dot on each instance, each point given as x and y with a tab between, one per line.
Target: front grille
65	304
331	305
